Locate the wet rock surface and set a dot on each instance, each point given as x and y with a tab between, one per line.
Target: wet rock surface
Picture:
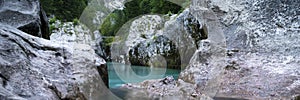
26	15
34	68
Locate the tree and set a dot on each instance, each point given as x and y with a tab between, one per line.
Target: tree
134	8
65	10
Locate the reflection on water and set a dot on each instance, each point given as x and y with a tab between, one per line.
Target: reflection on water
123	74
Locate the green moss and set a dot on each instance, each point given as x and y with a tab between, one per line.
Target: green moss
75	21
108	41
154	37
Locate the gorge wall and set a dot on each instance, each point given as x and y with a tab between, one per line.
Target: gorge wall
36	68
251	51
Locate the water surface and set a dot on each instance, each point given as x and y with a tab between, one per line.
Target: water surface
122	71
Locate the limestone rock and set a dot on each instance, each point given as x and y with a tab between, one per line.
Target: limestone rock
69	34
26	15
34	68
175	37
262	49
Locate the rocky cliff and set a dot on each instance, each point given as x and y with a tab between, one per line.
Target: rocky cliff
34	68
250	51
261	50
65	67
262	45
27	16
174	37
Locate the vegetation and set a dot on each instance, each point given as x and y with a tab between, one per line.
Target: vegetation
113	23
134	8
75	21
65	10
51	22
51	28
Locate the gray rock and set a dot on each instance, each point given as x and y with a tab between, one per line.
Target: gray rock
34	68
71	35
261	38
175	38
142	53
163	89
99	45
266	63
26	15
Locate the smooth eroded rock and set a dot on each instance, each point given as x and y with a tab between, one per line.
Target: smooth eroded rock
34	68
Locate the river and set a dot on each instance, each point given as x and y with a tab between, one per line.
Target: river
119	73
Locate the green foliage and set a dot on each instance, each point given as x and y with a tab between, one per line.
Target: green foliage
65	10
52	20
112	23
134	8
108	40
154	37
51	28
163	7
75	21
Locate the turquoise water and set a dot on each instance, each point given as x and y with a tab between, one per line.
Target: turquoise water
121	73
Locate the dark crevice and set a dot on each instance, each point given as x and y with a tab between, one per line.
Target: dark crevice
102	70
55	90
44	25
27	52
4	80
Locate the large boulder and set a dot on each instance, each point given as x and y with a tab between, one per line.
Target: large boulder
26	15
71	34
142	53
174	37
261	60
262	49
35	68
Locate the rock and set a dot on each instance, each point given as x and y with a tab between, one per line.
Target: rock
266	64
99	46
168	80
96	11
157	89
263	48
67	32
142	53
71	35
27	16
175	38
34	68
143	41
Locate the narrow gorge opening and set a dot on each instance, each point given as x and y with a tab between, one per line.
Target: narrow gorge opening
138	56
